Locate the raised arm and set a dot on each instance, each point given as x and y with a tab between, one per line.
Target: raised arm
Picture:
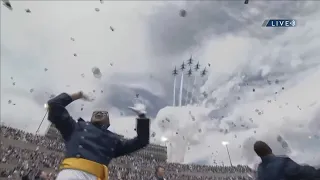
141	140
58	114
296	171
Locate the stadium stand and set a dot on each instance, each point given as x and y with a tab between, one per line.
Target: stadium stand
23	153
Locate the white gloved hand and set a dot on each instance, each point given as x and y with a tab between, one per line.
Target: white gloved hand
139	109
87	97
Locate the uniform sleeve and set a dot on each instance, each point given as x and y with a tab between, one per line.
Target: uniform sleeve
296	171
259	173
141	140
59	116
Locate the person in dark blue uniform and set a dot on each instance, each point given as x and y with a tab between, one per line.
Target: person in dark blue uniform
281	167
90	146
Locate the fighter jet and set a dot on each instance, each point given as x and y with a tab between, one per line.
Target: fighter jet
197	66
7	4
183	66
175	71
189	72
204	72
190	61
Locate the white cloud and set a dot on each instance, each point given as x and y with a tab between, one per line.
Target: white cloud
32	42
292	111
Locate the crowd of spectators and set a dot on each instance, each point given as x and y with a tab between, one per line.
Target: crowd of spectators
131	167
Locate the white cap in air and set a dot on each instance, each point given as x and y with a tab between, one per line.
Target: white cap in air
164	139
225	143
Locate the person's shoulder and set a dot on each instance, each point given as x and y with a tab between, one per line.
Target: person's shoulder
283	158
114	136
80	120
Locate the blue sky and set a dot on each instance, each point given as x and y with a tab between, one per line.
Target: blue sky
148	40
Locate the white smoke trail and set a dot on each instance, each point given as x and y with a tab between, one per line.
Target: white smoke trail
193	87
181	86
174	91
188	88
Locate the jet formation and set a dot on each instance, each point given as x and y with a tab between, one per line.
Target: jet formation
192	68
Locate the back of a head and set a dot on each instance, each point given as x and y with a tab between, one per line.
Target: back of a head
262	148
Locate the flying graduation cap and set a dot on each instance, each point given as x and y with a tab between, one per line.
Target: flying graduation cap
7	4
246	1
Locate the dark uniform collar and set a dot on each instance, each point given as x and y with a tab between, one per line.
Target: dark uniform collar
103	127
267	158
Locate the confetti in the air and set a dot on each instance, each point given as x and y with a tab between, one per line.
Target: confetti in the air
7	4
45	69
96	72
111	28
183	13
72	39
31	90
97	9
153	134
9	102
28	11
75	55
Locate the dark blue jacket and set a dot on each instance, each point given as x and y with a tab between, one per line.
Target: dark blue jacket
283	168
88	141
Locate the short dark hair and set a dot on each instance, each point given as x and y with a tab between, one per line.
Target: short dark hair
262	148
157	168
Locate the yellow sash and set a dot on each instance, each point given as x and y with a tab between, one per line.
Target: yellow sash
99	170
